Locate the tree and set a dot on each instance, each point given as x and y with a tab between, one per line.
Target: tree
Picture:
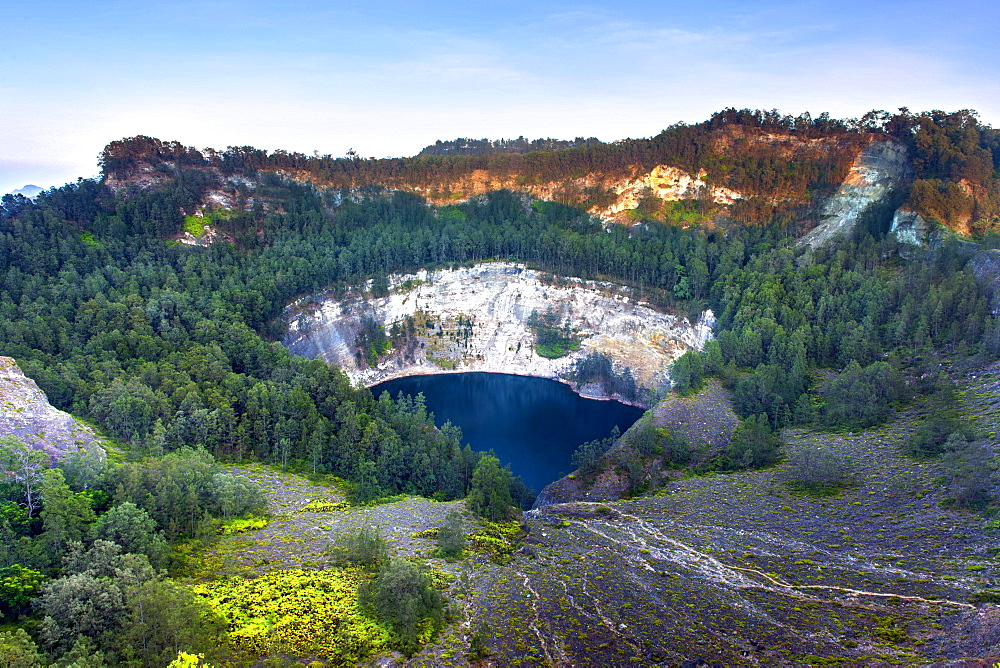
82	467
366	486
18	585
686	372
18	651
25	467
404	597
65	516
363	547
80	604
711	358
451	538
164	618
862	396
237	495
753	444
131	527
816	470
489	495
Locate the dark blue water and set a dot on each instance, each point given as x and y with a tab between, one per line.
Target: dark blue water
533	424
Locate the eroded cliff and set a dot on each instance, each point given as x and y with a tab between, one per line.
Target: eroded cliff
881	167
476	319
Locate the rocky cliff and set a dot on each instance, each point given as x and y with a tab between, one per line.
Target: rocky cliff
476	319
881	167
25	412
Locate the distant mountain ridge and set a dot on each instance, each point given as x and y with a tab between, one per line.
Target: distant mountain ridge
28	191
466	146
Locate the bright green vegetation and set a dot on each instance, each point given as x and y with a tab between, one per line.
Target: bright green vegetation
498	540
553	337
195	226
86	564
306	613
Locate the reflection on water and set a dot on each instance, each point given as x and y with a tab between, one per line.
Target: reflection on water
533	424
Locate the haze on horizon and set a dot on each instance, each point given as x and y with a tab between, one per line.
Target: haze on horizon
389	78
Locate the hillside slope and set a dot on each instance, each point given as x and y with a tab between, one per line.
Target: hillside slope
25	413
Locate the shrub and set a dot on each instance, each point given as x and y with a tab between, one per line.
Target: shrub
753	445
862	396
308	613
404	597
498	540
588	454
363	547
450	539
817	471
930	437
969	472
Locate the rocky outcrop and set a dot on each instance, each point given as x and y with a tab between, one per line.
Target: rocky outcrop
881	167
476	319
911	228
25	413
986	266
669	184
705	420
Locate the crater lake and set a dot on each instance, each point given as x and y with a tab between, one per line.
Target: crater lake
533	424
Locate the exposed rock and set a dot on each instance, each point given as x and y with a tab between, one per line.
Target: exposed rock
475	319
986	266
880	168
25	412
911	228
669	184
609	485
706	420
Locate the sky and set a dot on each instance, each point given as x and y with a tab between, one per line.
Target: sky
388	78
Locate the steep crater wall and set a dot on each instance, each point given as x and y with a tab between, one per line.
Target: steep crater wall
476	319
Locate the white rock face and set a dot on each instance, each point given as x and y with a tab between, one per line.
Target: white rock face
497	299
911	228
880	167
670	184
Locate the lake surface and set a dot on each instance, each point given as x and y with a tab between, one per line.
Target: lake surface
533	424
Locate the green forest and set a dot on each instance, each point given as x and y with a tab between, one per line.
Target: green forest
172	349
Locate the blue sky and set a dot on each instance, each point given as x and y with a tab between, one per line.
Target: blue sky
388	78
